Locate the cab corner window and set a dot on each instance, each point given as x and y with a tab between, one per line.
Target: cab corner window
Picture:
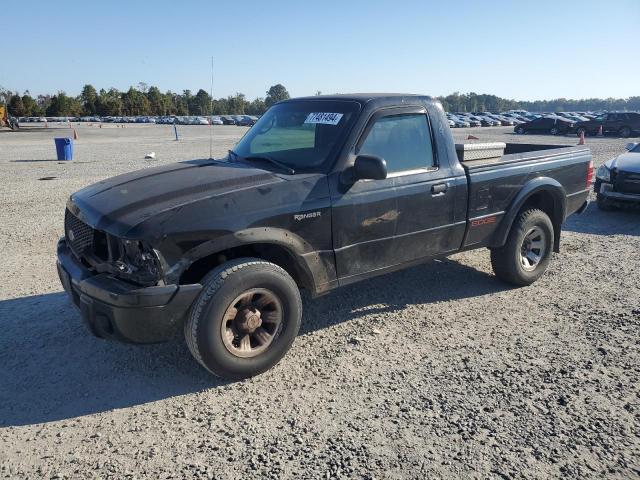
403	141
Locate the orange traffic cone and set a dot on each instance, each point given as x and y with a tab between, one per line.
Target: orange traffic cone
75	134
600	133
581	142
471	137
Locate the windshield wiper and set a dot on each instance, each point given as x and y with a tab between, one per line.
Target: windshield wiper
273	161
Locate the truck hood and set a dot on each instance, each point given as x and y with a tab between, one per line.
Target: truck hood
120	203
627	162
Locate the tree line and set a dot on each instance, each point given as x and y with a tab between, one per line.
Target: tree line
149	100
474	102
143	100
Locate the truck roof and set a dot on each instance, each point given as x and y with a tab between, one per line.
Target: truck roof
365	97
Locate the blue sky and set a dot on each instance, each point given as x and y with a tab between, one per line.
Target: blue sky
522	50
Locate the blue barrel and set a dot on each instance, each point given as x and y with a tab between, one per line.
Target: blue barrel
64	148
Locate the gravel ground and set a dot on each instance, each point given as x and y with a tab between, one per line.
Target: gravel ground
438	371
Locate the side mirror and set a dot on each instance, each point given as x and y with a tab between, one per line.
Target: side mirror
369	167
631	146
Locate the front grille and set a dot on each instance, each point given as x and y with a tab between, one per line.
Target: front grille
627	182
79	235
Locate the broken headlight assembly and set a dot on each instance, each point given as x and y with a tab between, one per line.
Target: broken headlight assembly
138	263
603	173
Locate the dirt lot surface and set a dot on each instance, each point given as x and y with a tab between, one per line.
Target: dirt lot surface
439	371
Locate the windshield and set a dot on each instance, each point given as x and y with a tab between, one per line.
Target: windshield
304	135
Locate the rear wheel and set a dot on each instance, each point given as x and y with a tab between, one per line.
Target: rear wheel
554	131
520	130
625	132
527	253
245	319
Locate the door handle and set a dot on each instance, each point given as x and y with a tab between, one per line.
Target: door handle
438	188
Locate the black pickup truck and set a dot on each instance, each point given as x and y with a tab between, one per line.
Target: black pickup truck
320	193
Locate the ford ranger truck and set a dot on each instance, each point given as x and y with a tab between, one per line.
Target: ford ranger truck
321	192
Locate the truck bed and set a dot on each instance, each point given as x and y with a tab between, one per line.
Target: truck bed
496	184
523	152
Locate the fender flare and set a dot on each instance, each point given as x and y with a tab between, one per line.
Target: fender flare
306	258
533	186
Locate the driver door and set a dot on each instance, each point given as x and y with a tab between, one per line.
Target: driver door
379	224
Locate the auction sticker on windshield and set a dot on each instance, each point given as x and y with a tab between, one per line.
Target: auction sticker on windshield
324	118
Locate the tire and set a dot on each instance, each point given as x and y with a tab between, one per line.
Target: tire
508	261
520	131
604	204
554	131
253	281
625	132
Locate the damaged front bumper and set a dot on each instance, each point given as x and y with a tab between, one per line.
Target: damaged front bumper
115	309
606	190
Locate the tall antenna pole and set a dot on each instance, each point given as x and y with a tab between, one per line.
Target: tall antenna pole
210	114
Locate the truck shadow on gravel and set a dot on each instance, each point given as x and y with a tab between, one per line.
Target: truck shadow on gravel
621	221
436	281
52	369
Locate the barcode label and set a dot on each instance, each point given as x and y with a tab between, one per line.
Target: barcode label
325	118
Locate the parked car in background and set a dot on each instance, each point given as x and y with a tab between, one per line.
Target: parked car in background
486	121
624	124
216	120
618	180
469	118
458	122
246	120
504	121
549	124
575	118
227	120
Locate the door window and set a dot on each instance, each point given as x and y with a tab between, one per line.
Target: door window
403	141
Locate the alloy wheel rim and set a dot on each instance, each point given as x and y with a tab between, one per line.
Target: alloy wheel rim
251	322
533	249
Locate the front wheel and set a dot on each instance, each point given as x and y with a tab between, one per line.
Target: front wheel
245	319
527	253
554	131
520	131
625	132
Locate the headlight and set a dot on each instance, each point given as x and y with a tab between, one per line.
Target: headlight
603	173
138	263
